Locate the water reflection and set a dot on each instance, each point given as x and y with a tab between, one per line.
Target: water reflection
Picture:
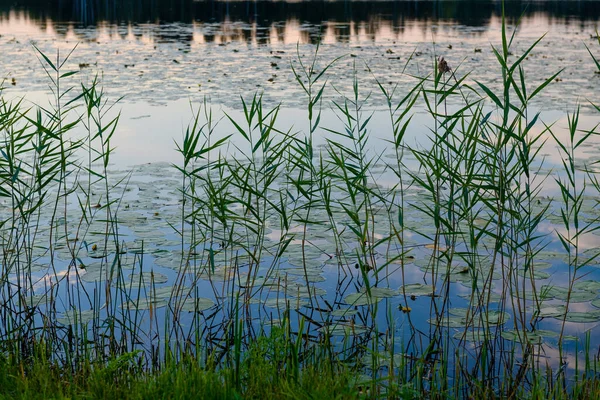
281	21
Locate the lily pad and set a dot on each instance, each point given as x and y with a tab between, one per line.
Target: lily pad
475	335
197	304
549	311
360	299
282	303
583	317
449	322
146	279
380	292
70	317
343	330
144	304
592	286
534	336
343	312
303	291
561	293
496	317
416	289
383	360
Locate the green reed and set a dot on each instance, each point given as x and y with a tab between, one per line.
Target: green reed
255	208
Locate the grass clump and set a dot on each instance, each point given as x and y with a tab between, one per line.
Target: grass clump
262	374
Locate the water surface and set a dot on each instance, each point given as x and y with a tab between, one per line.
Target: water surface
166	57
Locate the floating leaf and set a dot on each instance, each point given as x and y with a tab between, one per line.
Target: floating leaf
70	317
382	360
592	286
343	330
146	279
560	293
583	317
282	303
360	299
343	312
381	292
549	311
197	304
495	317
532	337
416	289
448	321
144	304
475	335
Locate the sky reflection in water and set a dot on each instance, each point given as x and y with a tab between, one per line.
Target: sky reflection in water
155	56
165	57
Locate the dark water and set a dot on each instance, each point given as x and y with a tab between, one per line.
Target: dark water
377	16
468	12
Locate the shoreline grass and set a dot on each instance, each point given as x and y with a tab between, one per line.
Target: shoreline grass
259	377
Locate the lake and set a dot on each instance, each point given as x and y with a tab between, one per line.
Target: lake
401	209
161	57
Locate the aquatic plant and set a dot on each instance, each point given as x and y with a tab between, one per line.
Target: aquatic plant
265	263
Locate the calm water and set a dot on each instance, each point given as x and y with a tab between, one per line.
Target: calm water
161	54
264	14
167	56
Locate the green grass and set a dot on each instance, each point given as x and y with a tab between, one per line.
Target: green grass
264	374
260	378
